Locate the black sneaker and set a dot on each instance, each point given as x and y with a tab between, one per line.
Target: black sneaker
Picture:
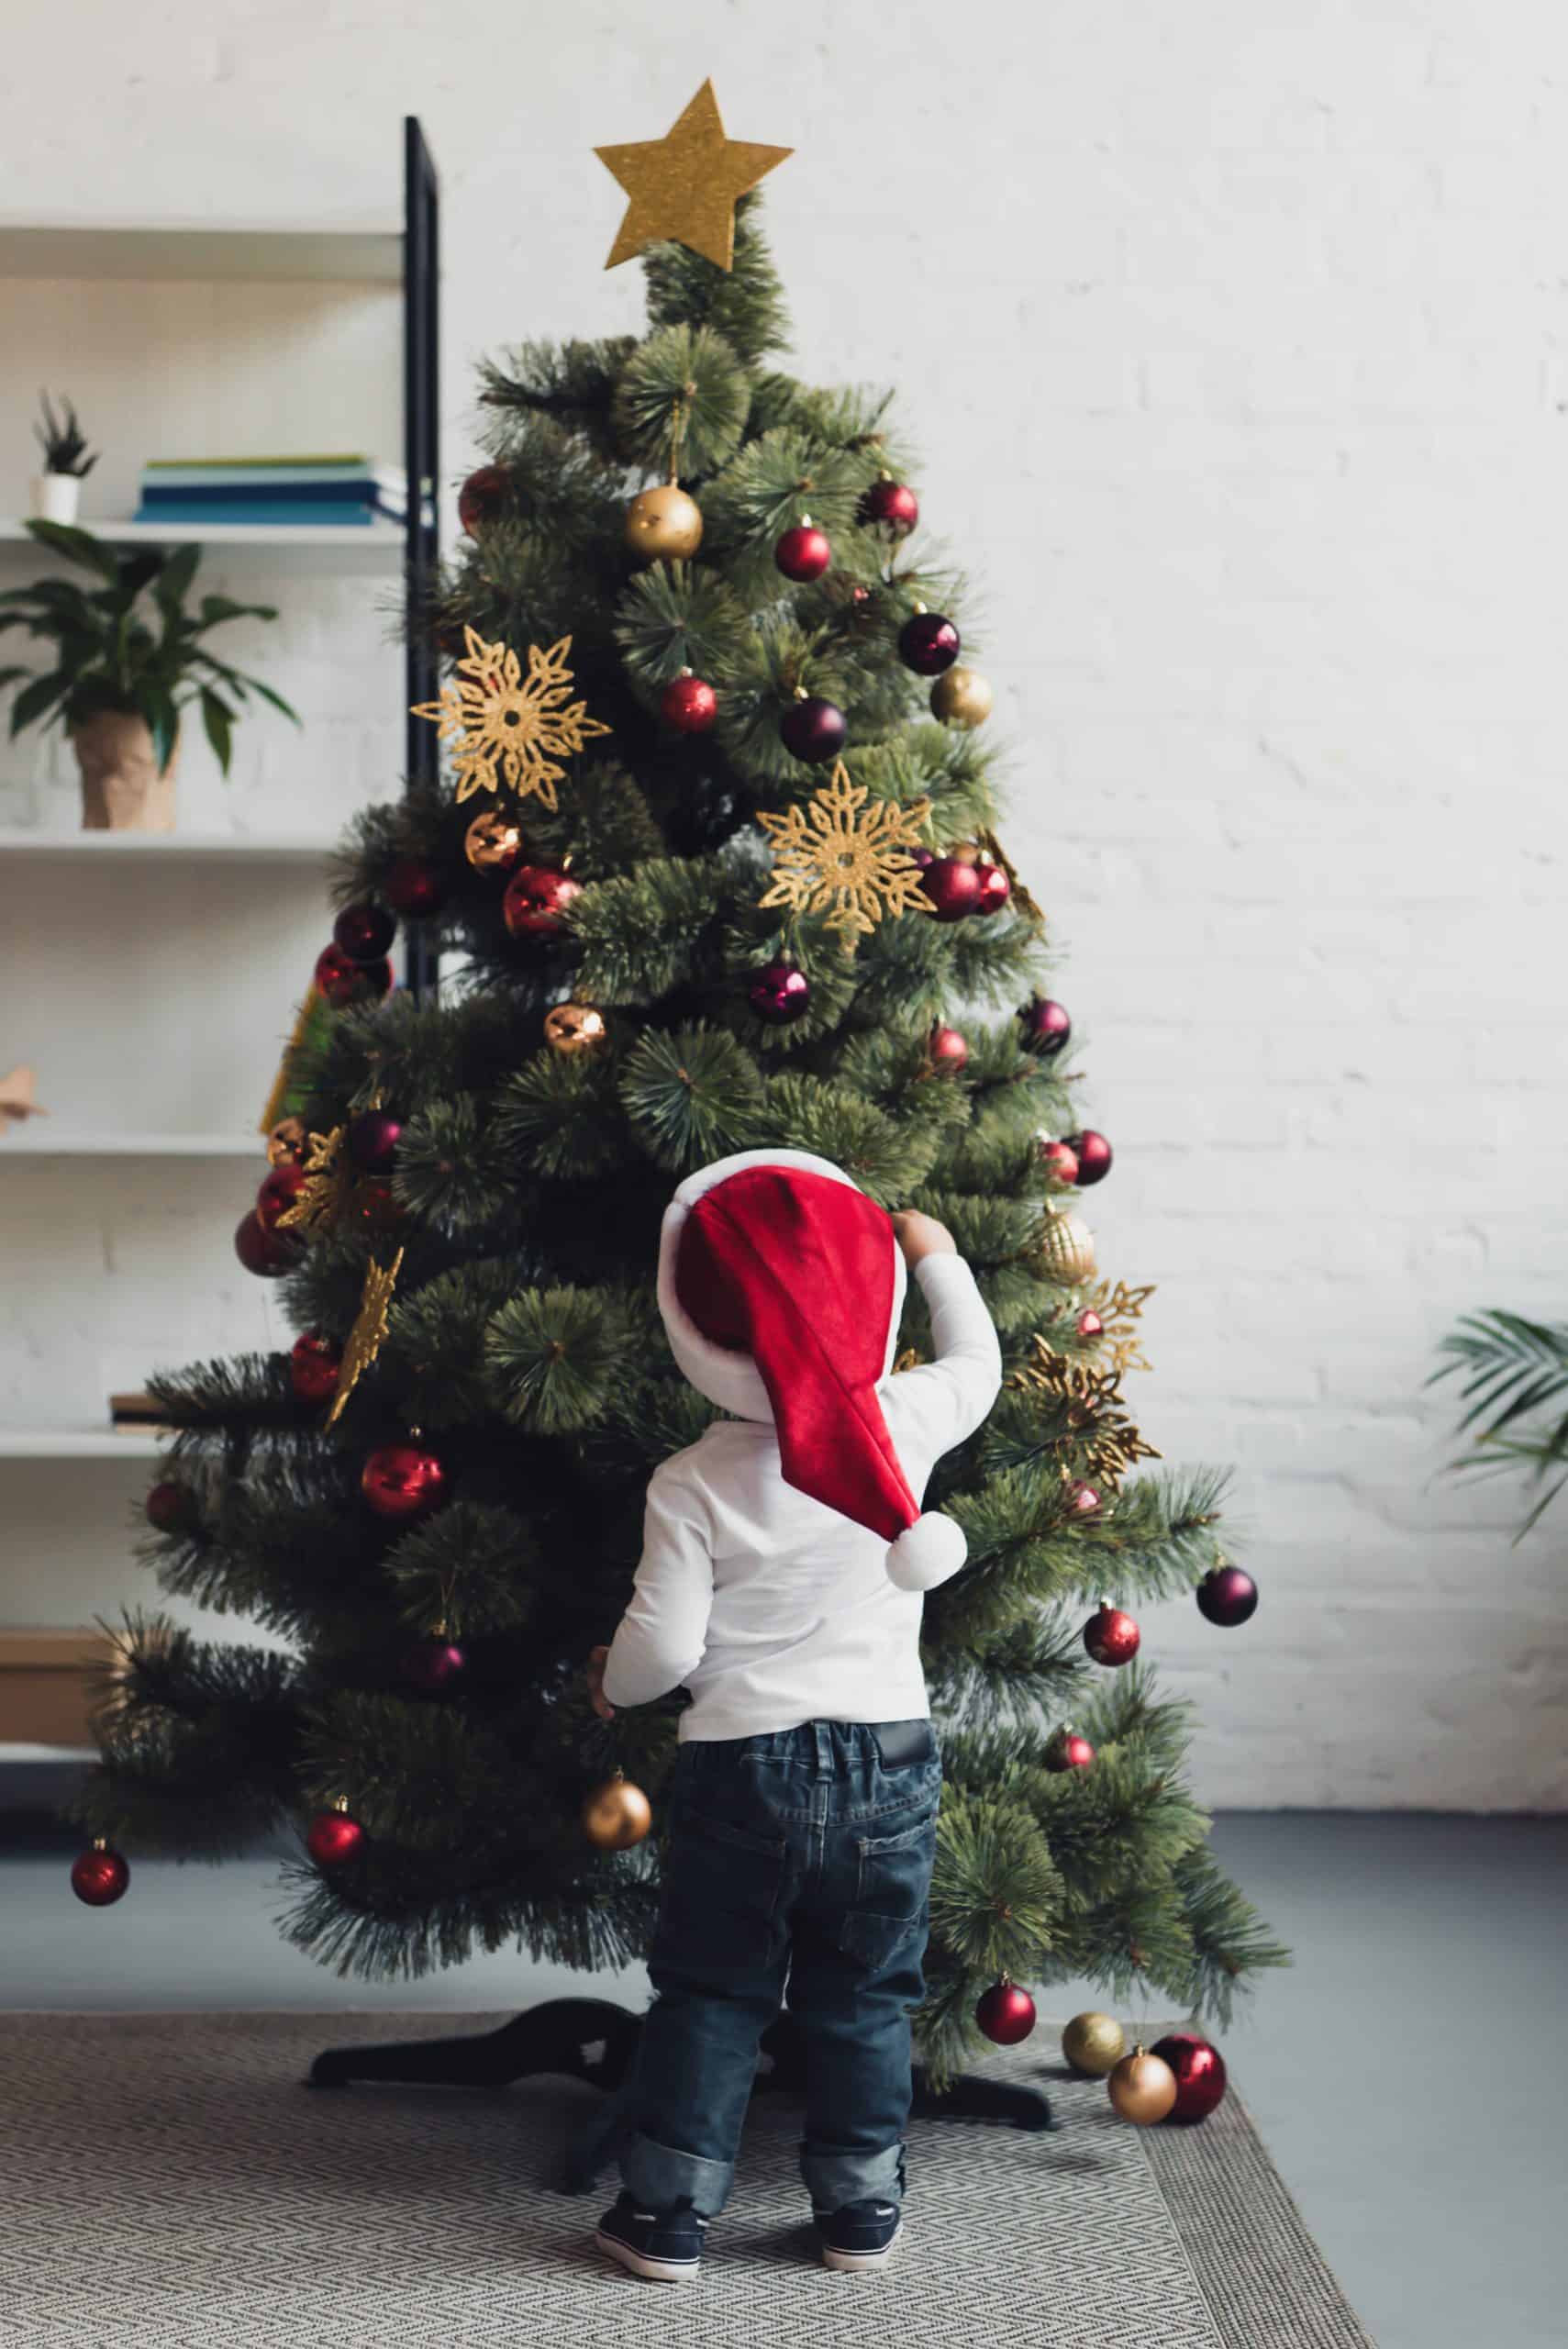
862	2234
664	2245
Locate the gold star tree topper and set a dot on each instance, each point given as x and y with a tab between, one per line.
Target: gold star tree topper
684	186
511	728
838	857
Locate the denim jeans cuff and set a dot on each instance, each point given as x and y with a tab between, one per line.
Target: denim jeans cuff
659	2176
834	2179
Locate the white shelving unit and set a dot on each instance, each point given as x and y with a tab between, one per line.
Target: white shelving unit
79	1443
282	848
349	548
197	251
44	1138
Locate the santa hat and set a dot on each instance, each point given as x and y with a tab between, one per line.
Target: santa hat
781	1286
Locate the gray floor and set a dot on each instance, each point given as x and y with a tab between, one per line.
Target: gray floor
1406	2074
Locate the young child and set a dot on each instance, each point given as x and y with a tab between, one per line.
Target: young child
785	1555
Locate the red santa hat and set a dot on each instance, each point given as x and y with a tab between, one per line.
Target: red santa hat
781	1285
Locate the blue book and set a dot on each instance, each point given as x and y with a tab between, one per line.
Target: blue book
286	473
259	493
292	511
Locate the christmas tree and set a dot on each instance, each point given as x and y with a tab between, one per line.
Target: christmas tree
716	867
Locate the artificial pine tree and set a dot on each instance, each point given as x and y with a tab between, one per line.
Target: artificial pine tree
641	977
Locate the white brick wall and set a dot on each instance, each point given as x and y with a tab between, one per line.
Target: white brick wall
1235	336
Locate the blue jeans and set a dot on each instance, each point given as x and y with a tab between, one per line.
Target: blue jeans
803	1856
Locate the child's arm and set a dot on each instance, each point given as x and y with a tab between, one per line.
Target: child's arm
661	1635
945	1400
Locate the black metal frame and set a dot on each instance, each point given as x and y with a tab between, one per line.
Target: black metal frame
421	464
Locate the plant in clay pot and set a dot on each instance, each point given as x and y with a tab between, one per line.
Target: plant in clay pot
130	658
66	461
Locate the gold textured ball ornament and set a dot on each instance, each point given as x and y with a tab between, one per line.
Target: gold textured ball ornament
287	1142
961	697
617	1815
1093	2044
575	1027
1067	1246
1142	2087
494	843
663	525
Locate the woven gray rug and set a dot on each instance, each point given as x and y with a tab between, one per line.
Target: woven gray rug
166	2182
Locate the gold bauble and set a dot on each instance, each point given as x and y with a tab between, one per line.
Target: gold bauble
1093	2044
1142	2087
1067	1244
961	697
494	843
287	1142
617	1815
663	525
575	1027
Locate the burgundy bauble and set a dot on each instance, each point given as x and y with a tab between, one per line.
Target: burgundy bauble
953	886
1083	1499
1200	2073
922	856
535	900
1004	2013
813	729
412	888
1227	1597
373	1139
890	505
1111	1636
334	1837
1059	1159
364	931
927	643
99	1876
1068	1751
949	1049
167	1507
1090	1324
314	1365
1094	1156
689	704
1045	1027
779	993
482	497
804	553
400	1479
279	1192
433	1664
995	888
339	980
266	1253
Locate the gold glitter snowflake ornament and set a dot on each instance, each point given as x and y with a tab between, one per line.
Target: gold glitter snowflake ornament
850	863
511	728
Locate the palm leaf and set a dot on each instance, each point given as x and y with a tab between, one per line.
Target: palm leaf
1510	1367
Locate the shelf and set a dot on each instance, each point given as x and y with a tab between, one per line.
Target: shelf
283	256
282	848
12	1754
327	546
44	1138
80	1443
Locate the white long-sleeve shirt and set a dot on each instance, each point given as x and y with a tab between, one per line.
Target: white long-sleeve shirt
772	1607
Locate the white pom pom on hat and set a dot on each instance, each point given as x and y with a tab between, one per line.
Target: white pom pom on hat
927	1553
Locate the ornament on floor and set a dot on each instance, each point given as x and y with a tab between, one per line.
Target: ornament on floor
1068	1750
334	1835
280	1187
364	931
947	1049
269	1253
846	860
1066	1247
494	843
686	186
372	1137
99	1874
688	703
1059	1159
928	642
1004	2013
573	1028
779	992
17	1101
1142	2087
434	1663
1118	1310
536	901
813	729
961	697
1094	2043
805	552
511	728
1199	2070
889	506
1227	1597
287	1143
168	1508
366	1338
483	498
617	1815
952	885
663	525
414	888
340	980
400	1480
1093	1155
1111	1636
314	1365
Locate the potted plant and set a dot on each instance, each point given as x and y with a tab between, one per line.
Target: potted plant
129	658
66	462
1514	1398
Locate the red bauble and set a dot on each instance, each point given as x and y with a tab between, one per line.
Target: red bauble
953	886
167	1507
1068	1751
1084	1499
1227	1597
99	1876
1059	1159
482	497
1004	2013
779	993
813	729
373	1139
1111	1636
1090	1324
1045	1026
535	900
278	1193
314	1365
927	643
803	554
364	931
334	1837
261	1252
339	979
401	1479
412	888
995	888
1200	2073
949	1048
890	505
689	704
433	1664
1094	1156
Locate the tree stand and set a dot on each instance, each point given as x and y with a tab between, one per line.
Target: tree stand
594	2039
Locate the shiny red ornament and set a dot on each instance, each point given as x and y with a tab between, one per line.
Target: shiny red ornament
1068	1751
1111	1636
535	900
949	1048
340	980
1094	1156
373	1138
334	1837
482	497
804	553
1059	1159
364	931
889	506
99	1876
1090	1324
400	1479
813	729
779	993
266	1253
994	887
314	1365
1200	2073
167	1508
929	643
279	1191
1046	1026
1227	1596
953	886
1004	2013
1084	1499
412	888
689	704
433	1664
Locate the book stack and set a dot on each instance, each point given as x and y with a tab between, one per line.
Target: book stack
351	491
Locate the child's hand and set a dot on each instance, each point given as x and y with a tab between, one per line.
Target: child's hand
597	1659
921	1235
